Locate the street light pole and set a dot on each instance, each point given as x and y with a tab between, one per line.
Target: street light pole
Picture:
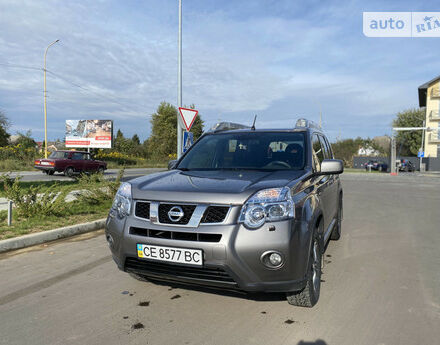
179	84
45	96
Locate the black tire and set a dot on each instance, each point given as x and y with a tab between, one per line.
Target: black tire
100	170
51	172
45	172
69	172
336	232
138	277
309	296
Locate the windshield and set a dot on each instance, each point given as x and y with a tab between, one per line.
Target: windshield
249	151
59	154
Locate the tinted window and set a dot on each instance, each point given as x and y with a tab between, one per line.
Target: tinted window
317	153
77	156
250	150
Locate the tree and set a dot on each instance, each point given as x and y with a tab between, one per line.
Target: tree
346	149
163	139
409	142
135	139
4	126
25	140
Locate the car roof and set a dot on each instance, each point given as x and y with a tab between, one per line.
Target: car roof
262	130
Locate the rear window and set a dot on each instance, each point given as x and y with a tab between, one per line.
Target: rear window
59	155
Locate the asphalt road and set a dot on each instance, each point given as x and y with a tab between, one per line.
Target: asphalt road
110	173
381	285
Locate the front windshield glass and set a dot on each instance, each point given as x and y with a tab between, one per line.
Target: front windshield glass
249	151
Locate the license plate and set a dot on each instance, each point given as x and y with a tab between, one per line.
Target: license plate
44	163
171	254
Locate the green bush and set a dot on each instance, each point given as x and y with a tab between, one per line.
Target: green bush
94	189
32	201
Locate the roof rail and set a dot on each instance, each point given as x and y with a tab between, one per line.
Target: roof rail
307	123
227	126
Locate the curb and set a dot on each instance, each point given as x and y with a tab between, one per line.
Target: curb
50	235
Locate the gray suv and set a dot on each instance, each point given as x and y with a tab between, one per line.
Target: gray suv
243	208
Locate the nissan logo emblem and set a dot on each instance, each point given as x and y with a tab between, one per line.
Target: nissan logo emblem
175	213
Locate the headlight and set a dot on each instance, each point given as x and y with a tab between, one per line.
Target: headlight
122	201
267	205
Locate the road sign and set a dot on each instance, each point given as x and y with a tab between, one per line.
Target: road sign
188	116
188	140
420	154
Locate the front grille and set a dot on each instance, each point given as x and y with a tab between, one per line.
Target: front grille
142	209
204	275
215	214
165	208
176	235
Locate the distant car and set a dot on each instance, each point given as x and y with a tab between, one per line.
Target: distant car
406	165
376	165
69	163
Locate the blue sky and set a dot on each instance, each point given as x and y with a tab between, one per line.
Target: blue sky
278	59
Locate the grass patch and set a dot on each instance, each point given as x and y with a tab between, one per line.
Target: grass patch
75	213
36	209
16	165
139	164
43	186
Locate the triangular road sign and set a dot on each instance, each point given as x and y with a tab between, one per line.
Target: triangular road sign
188	116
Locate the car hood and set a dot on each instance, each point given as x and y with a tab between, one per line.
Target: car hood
221	186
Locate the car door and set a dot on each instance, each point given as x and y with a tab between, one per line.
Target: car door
332	180
78	161
89	163
322	182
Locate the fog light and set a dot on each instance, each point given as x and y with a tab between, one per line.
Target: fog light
272	259
275	259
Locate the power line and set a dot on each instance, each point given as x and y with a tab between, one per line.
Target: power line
20	66
74	84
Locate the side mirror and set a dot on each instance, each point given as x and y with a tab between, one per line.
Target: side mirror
172	164
331	166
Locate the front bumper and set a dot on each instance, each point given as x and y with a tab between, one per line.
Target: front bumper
231	262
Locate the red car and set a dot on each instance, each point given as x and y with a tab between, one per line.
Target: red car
69	163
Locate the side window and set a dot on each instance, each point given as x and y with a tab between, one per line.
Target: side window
329	148
86	156
324	147
77	156
317	152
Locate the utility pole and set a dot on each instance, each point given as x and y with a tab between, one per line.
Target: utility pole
45	96
179	84
423	145
393	154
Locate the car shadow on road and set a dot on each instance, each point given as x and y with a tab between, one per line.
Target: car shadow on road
317	342
255	296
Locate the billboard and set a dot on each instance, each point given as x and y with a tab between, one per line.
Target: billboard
89	133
